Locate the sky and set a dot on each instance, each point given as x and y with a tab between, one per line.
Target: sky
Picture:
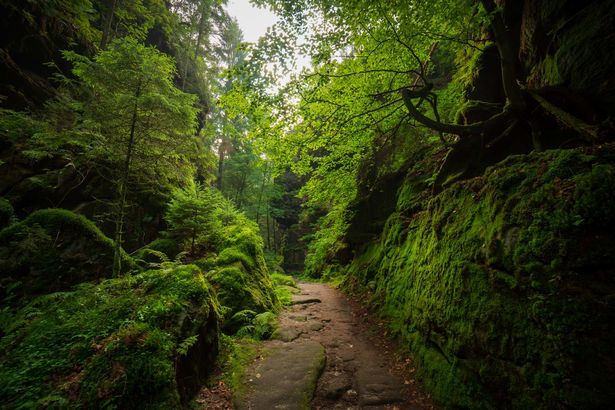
252	21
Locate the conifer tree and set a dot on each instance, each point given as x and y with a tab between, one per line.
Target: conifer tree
137	116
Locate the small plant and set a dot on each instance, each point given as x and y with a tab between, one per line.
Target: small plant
255	326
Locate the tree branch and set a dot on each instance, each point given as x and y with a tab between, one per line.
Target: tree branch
477	128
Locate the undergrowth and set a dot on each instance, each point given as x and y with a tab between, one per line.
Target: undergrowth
130	342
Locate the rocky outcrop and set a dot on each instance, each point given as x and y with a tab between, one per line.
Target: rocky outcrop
53	250
502	286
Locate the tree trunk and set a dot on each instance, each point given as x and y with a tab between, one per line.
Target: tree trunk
508	59
260	195
202	19
123	188
220	165
275	237
240	189
107	29
268	230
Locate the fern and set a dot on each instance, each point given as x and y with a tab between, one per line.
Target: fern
264	325
188	342
246	331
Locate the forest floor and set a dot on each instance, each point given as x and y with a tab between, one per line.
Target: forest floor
330	353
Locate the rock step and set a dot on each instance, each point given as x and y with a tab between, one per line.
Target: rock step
285	378
302	301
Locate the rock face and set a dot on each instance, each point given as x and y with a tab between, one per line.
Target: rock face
503	285
564	54
567	43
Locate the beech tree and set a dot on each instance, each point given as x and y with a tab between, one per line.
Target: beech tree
137	118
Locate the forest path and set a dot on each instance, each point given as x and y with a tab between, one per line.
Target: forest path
324	333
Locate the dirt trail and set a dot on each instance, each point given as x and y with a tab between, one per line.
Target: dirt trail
359	370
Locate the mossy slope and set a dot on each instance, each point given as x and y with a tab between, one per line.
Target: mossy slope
143	341
239	272
52	250
503	285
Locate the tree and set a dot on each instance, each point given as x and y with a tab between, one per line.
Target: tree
136	116
382	67
190	213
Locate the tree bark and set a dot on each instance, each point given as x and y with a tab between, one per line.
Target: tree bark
476	128
107	29
123	188
508	60
220	165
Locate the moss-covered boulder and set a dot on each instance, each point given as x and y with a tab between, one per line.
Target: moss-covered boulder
137	342
156	252
240	272
503	286
52	250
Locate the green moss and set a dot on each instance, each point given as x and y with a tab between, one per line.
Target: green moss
283	280
237	291
231	255
7	214
235	357
285	287
240	273
125	343
502	286
165	245
54	249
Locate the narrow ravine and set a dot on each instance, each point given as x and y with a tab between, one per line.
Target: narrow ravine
326	356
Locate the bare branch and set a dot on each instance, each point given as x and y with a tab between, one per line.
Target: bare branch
461	130
403	43
371	71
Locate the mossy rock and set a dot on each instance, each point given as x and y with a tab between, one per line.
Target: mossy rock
167	246
503	285
238	290
156	252
53	250
139	342
240	273
568	44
